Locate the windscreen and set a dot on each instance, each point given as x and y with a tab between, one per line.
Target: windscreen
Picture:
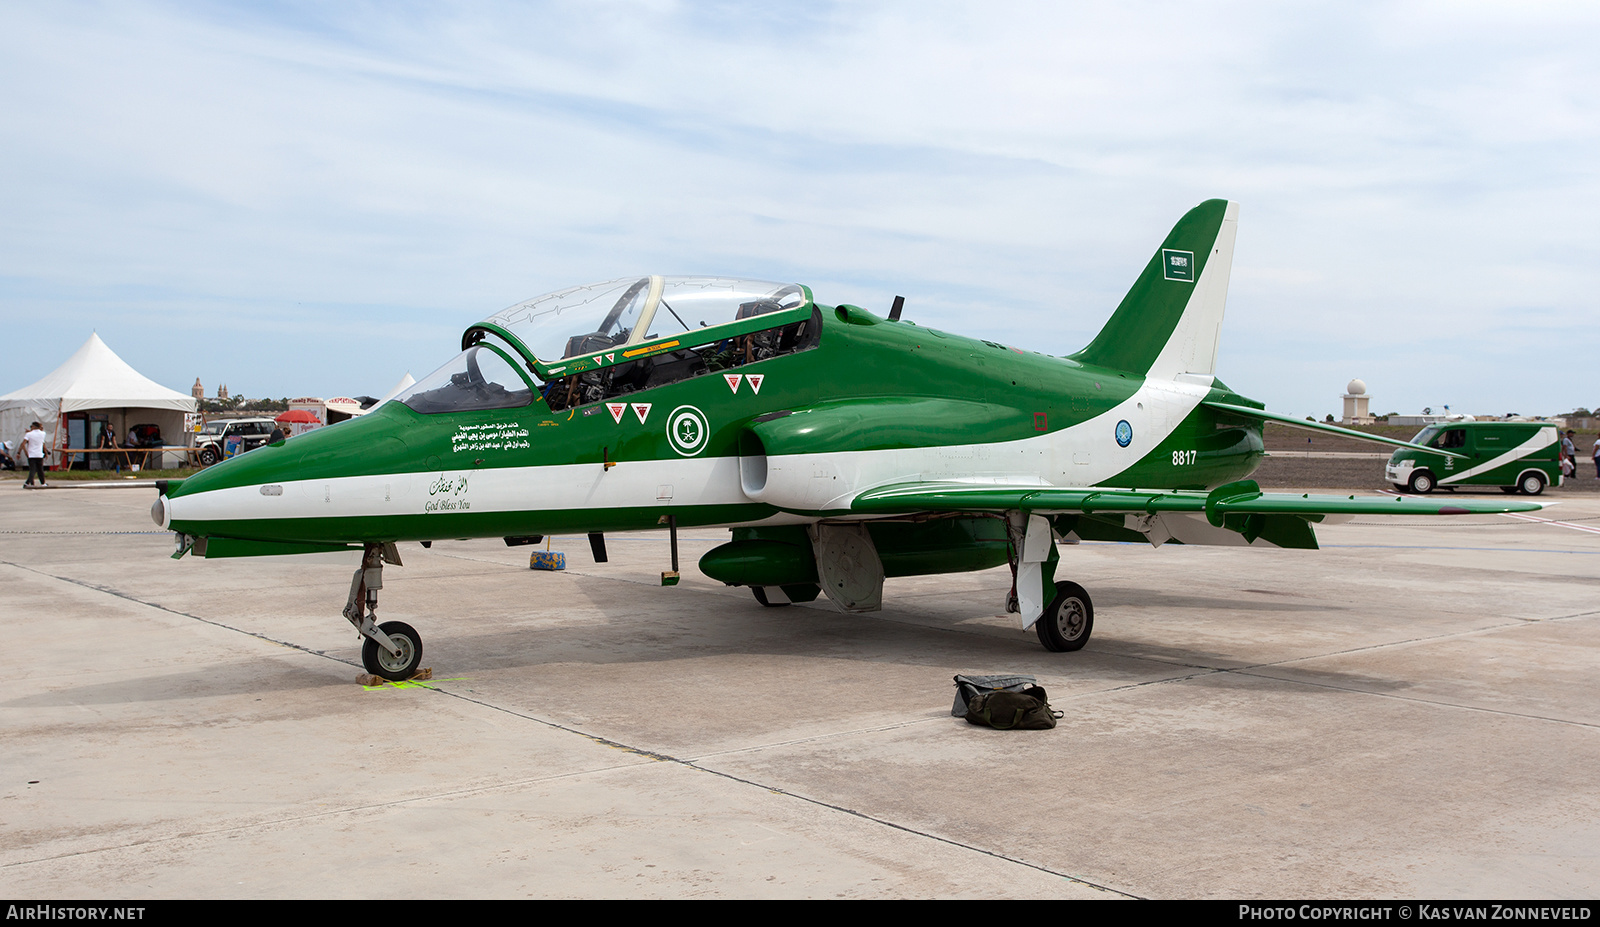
481	377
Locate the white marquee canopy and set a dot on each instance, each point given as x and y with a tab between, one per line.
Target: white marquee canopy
93	378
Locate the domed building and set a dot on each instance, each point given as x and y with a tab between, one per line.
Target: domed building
1355	404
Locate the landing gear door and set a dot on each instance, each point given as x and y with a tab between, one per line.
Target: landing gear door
1037	540
848	566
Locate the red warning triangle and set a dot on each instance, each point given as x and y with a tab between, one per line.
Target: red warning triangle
641	410
616	409
733	380
755	381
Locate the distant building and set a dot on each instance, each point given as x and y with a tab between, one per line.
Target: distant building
197	391
1355	404
1431	419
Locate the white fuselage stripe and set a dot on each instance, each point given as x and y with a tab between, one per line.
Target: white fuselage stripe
628	484
1081	455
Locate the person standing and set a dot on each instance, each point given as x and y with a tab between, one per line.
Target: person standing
33	449
108	439
1597	457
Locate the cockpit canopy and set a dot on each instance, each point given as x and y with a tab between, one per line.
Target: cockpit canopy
585	320
594	342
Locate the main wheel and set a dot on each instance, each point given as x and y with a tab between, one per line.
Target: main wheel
208	456
1067	621
1421	482
761	596
398	667
1532	484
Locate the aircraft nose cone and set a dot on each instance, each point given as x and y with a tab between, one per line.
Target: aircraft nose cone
306	487
159	512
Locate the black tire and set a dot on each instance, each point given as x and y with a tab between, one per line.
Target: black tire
1067	621
761	596
208	456
1532	484
380	662
1421	483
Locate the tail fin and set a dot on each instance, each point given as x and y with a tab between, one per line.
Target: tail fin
1169	322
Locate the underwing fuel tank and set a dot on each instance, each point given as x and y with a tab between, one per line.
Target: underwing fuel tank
756	562
781	556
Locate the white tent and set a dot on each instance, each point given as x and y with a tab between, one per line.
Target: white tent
406	382
94	380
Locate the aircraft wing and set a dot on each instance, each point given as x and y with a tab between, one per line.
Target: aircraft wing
1237	513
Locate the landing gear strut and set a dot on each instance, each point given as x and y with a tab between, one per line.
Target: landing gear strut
392	650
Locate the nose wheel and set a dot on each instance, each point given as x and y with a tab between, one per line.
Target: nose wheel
392	650
396	666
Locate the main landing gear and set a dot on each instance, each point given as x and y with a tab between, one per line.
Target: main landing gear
1067	621
392	650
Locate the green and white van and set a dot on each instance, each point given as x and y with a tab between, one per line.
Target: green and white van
1515	456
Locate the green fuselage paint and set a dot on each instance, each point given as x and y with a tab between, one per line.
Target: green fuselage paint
881	387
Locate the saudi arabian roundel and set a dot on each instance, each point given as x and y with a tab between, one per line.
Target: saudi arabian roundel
1124	433
687	430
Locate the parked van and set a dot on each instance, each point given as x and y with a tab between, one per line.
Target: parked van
1515	456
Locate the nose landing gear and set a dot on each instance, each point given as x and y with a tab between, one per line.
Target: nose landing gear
392	650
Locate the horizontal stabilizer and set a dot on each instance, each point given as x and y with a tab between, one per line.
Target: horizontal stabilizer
1292	422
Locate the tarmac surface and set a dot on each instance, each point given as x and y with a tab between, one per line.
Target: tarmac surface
1410	712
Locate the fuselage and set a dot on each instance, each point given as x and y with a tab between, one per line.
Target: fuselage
784	439
841	448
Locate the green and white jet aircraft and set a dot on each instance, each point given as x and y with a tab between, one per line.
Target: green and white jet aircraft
839	446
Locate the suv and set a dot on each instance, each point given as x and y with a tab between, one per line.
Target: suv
1515	456
212	440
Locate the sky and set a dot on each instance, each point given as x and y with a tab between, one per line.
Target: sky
317	198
